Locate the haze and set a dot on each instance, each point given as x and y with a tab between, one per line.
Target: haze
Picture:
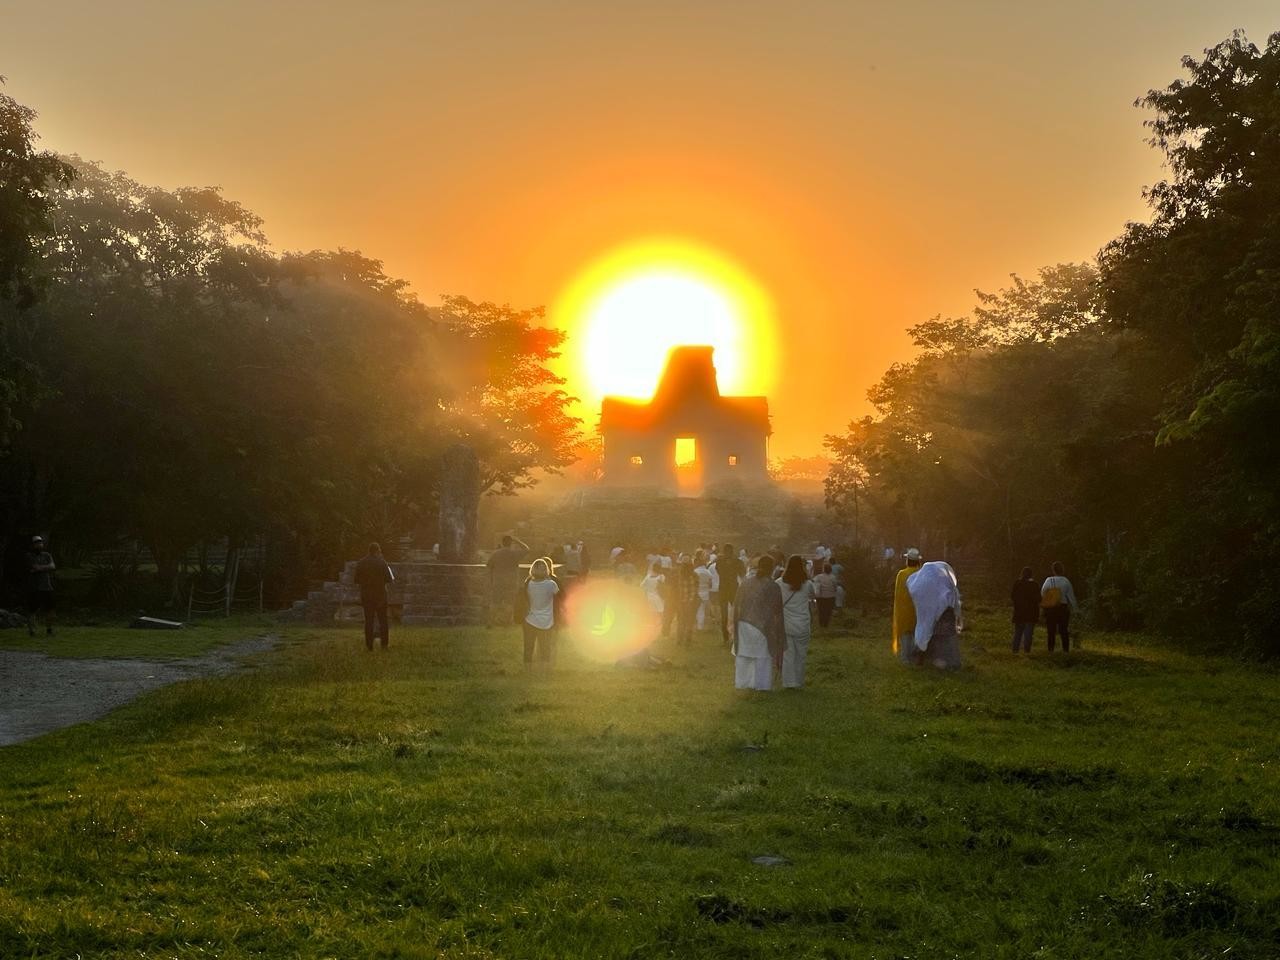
868	167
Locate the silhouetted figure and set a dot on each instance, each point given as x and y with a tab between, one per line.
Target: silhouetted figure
40	568
372	576
1057	599
1026	610
504	575
730	568
685	594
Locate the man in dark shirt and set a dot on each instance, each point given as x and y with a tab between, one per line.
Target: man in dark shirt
1026	610
372	577
504	577
730	568
40	569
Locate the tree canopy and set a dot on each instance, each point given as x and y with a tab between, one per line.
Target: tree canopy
1115	415
181	382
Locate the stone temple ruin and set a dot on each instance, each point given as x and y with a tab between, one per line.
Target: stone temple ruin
689	436
690	464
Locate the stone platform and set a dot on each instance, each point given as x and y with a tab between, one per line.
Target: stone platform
424	593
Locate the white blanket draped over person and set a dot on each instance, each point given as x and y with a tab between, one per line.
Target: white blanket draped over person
936	597
759	636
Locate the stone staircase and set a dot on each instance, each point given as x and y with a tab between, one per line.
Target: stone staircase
424	593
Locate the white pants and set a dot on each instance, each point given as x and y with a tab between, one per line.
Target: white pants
753	673
704	608
793	661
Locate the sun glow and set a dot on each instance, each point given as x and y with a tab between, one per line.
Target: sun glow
626	311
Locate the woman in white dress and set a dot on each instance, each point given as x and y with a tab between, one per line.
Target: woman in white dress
798	598
652	585
758	635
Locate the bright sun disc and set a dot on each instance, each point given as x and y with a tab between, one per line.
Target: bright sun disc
629	308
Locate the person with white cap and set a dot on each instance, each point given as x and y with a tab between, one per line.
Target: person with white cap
904	611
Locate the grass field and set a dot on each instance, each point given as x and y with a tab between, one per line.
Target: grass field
436	801
95	640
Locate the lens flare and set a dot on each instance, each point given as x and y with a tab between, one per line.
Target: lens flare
609	620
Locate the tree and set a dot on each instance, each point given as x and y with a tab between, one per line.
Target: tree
1200	286
505	401
26	179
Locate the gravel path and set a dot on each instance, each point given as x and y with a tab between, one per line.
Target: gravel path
40	694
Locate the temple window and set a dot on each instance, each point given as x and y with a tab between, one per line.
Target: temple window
686	451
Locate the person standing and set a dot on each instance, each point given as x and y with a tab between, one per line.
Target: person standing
1058	600
539	620
798	597
730	569
654	588
504	575
759	637
935	596
701	571
824	587
904	611
372	576
686	596
40	568
1026	610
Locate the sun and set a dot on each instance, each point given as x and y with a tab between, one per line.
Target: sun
626	310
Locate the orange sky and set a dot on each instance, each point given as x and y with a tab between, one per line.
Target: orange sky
868	166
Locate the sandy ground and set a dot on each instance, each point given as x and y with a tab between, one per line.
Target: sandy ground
40	694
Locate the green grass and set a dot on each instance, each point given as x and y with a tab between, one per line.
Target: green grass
436	801
196	638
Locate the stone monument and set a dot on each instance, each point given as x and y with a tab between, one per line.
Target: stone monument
459	503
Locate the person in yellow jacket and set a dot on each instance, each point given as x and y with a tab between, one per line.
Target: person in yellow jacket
904	611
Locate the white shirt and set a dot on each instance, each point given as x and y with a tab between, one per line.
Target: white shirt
542	611
704	581
796	619
650	586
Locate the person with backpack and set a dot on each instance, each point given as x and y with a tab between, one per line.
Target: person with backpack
1058	600
1026	610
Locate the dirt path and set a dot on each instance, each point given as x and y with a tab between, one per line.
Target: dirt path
40	694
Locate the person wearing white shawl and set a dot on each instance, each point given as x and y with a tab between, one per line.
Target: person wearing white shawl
939	618
759	637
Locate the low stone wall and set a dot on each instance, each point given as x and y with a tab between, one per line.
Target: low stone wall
422	594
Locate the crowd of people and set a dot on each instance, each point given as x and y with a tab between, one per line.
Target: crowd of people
762	608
